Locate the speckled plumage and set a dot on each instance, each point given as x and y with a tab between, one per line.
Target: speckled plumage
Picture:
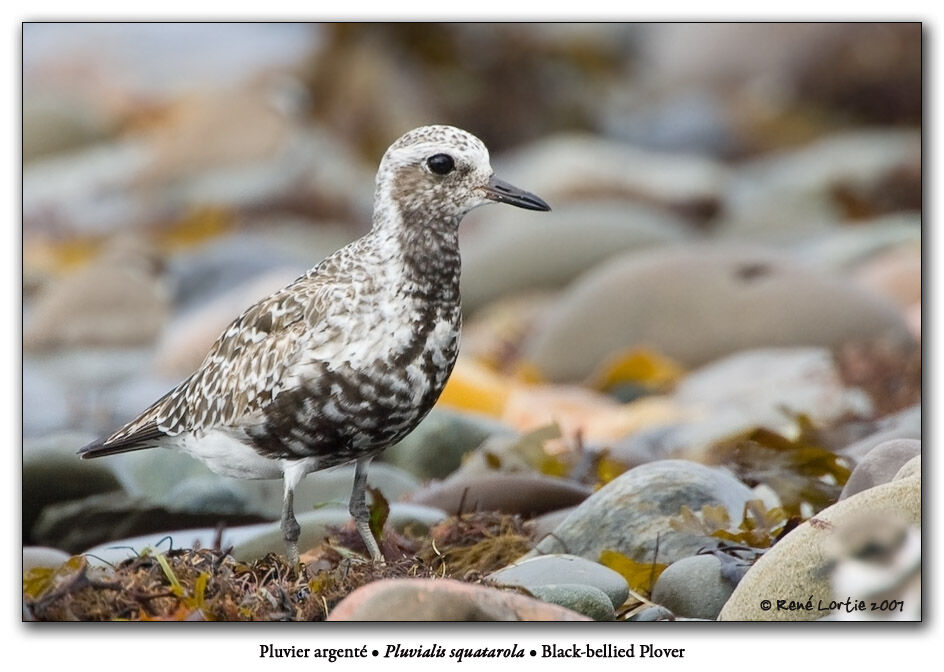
350	357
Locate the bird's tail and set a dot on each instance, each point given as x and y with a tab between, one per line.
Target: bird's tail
111	446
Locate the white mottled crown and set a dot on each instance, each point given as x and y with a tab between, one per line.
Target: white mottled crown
420	143
404	181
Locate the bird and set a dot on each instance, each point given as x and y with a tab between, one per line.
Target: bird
350	357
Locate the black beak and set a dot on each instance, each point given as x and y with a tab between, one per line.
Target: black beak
502	192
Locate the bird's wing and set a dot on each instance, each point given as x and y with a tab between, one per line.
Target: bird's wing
243	372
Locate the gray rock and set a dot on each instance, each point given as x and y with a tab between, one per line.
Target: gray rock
45	405
905	424
52	473
436	447
768	388
116	551
843	247
89	190
527	494
631	513
800	565
700	314
911	468
119	299
771	386
572	168
209	494
881	465
791	189
508	253
546	523
693	587
76	525
652	614
54	124
214	270
578	597
42	556
686	120
559	568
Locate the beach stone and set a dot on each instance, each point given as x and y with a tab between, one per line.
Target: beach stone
699	315
546	523
797	567
906	424
147	473
321	523
230	264
443	600
631	513
560	568
42	556
55	124
209	494
79	524
693	587
578	597
119	299
574	167
528	494
767	387
911	468
895	274
771	386
86	191
676	120
821	181
45	403
652	614
507	253
116	551
881	465
437	446
52	473
845	248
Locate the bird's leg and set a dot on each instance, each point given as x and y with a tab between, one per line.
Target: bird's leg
358	509
290	527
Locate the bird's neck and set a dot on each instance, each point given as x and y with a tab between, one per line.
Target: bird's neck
427	247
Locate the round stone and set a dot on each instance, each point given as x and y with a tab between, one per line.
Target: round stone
632	514
693	587
881	465
578	597
559	568
689	302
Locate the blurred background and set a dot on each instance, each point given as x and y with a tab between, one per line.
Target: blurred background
735	239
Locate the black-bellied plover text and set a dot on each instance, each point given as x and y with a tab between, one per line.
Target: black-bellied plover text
350	357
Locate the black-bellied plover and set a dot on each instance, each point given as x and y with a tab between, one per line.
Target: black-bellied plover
348	359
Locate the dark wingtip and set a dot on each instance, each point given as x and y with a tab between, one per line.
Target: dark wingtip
137	441
90	450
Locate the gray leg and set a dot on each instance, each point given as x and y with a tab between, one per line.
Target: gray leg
290	528
358	509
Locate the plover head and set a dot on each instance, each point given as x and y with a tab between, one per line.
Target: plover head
442	172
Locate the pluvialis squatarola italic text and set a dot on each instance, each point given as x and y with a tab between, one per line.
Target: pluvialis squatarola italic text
348	359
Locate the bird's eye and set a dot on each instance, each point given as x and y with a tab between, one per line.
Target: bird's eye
441	164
